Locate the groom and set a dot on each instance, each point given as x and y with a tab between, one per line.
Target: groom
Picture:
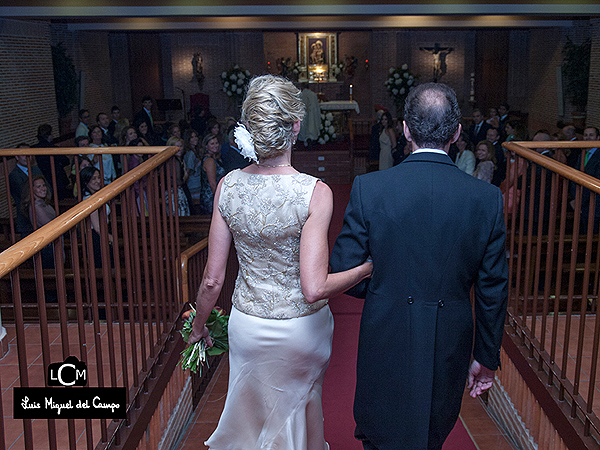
433	233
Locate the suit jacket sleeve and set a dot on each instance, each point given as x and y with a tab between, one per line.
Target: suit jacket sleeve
352	245
491	292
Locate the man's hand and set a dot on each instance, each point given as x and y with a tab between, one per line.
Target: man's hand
480	379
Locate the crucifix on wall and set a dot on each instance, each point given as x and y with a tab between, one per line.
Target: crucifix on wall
439	59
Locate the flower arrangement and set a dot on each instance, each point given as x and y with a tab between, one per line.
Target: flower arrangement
327	130
193	357
337	69
400	81
235	82
288	69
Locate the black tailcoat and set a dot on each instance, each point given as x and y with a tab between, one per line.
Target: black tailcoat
433	232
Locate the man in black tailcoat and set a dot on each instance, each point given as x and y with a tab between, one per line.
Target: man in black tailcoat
433	233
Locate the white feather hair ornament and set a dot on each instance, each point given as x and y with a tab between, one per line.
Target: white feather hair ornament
243	138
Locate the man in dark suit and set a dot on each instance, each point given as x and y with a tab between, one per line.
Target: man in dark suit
145	114
478	131
591	167
503	112
433	233
500	172
17	179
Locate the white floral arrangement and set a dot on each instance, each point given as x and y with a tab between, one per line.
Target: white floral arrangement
326	130
399	83
235	82
336	69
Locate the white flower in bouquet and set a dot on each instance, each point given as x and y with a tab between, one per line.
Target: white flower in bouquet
395	91
233	77
331	130
391	70
396	75
327	123
240	81
402	91
329	116
326	137
239	90
405	74
224	75
236	67
337	70
247	73
404	66
226	84
398	81
229	93
321	141
333	136
241	76
410	82
224	89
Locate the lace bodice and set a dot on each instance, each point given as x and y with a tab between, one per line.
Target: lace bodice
265	214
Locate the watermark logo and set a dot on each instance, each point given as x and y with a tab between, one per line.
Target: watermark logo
70	372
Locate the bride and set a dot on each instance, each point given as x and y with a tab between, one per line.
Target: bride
280	327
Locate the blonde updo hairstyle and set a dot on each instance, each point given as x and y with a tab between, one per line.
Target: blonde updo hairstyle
271	107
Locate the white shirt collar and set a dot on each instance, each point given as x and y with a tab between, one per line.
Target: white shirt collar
430	150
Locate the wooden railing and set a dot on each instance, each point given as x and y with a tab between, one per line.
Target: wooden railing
125	311
193	261
553	329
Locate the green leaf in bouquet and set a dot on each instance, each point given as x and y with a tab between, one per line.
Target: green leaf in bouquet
215	351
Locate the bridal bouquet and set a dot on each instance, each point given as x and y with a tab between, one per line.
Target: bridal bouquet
399	82
235	82
193	357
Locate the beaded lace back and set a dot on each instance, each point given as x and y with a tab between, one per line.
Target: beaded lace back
265	214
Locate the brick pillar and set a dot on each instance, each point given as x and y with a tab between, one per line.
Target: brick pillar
593	106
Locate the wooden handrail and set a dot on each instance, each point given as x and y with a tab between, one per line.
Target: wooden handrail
523	149
80	150
185	256
33	243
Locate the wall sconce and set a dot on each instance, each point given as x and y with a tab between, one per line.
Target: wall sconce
366	64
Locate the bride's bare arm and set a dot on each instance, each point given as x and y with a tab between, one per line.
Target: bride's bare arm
316	282
219	241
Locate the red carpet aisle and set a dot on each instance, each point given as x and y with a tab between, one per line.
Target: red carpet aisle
340	379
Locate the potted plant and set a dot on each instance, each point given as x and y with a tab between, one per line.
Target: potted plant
576	74
65	85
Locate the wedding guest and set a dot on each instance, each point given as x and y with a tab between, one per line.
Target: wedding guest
18	178
108	165
387	141
192	157
465	159
212	172
487	161
181	175
62	163
91	182
42	211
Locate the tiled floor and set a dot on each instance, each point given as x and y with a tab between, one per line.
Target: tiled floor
36	367
483	429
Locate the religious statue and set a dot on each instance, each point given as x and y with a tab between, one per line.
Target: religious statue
316	53
439	59
197	73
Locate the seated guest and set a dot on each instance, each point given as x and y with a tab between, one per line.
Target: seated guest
500	173
503	117
40	213
192	158
96	136
487	161
174	130
212	172
82	128
127	135
515	131
18	178
494	118
144	132
103	122
117	123
214	128
79	162
134	160
183	198
465	159
90	184
62	164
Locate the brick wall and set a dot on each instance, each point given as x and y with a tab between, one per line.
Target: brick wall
92	57
593	106
27	87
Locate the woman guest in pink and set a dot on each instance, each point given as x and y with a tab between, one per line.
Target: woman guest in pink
280	327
